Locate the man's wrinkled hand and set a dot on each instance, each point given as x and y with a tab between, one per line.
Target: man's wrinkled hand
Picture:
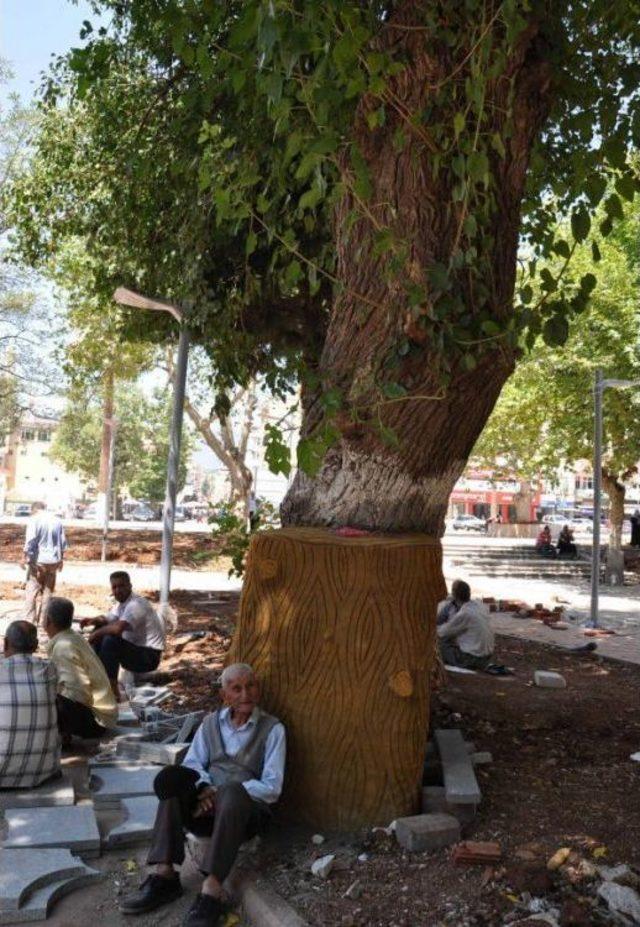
206	802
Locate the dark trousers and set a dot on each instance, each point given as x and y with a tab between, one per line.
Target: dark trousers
453	656
77	719
236	818
115	651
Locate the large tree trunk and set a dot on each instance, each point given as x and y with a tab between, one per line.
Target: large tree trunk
339	630
403	484
616	492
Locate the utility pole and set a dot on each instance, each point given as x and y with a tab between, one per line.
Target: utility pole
173	465
598	389
130	298
109	487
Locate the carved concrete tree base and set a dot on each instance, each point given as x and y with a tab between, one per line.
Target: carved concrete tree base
341	634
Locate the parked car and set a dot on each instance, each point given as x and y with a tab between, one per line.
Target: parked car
180	513
142	512
468	523
22	511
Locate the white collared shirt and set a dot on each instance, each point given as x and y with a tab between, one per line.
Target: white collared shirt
269	786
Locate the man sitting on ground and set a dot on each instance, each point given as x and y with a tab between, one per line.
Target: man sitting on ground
29	739
228	780
566	544
466	638
131	635
544	544
452	604
86	704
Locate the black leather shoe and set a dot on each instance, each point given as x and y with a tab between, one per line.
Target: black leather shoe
205	911
153	893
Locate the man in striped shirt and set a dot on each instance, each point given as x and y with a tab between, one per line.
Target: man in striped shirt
29	739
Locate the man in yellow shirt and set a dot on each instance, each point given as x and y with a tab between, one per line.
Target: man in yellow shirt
86	703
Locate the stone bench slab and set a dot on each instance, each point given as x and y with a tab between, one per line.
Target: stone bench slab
56	792
73	828
460	783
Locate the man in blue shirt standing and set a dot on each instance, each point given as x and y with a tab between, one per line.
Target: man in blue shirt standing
44	549
228	780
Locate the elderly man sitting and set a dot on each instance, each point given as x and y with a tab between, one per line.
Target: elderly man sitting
86	703
466	638
228	780
29	740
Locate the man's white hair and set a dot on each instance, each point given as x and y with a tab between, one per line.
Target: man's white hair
236	669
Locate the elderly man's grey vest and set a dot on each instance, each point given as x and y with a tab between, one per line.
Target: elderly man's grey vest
248	762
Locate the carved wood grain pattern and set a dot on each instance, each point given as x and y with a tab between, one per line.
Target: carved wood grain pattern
328	633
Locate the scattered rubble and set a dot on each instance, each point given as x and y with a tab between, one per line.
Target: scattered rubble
322	867
427	831
548	680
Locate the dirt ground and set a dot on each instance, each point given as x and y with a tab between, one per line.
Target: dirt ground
142	547
560	777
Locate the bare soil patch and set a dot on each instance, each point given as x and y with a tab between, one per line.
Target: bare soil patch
561	777
190	550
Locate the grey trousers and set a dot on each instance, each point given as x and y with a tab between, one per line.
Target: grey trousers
453	656
41	582
236	818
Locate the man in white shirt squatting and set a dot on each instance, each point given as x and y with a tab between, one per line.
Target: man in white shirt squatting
227	783
132	635
466	638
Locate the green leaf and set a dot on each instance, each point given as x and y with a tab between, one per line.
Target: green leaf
489	327
588	283
331	401
562	248
626	186
555	331
250	245
549	283
478	167
526	295
613	207
393	390
277	452
470	225
438	276
458	124
388	435
498	145
580	224
362	184
310	454
595	252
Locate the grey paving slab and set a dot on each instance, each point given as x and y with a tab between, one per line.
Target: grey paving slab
24	871
74	828
152	752
140	814
461	785
38	906
111	783
427	831
56	792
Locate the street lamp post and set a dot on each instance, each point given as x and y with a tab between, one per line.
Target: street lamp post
599	387
130	298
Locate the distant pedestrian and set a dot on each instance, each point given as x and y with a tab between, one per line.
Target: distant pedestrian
44	548
635	529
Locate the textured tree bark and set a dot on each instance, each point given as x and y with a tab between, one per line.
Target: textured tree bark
340	620
616	492
339	631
